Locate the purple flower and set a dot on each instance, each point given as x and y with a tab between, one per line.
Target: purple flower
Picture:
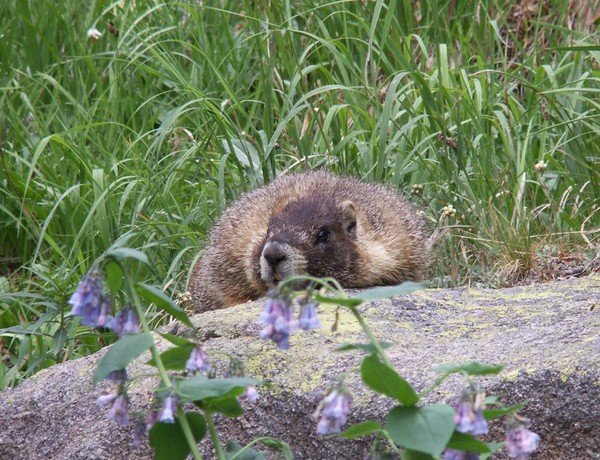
279	321
99	316
308	317
118	411
282	339
152	417
117	376
87	295
125	322
198	360
469	415
336	407
520	442
451	454
169	407
250	394
139	433
89	301
105	400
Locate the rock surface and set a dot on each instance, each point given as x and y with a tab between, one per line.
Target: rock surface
547	336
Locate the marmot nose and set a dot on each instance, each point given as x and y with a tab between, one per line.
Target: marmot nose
274	255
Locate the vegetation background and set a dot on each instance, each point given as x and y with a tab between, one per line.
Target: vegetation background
487	112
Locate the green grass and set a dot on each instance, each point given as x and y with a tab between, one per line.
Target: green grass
141	139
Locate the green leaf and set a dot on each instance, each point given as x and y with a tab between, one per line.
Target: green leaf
4	285
200	387
174	359
361	429
124	253
277	444
60	338
385	380
228	406
468	443
415	455
168	440
424	429
468	368
233	449
177	340
368	348
245	152
491	414
121	353
493	446
385	292
114	275
161	300
338	301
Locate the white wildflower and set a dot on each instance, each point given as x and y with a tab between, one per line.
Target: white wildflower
93	34
540	166
448	211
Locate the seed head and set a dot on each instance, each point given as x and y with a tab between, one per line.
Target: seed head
540	166
449	211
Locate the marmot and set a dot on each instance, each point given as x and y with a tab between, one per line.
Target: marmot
312	223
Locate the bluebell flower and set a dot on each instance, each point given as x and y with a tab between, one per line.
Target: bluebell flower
281	338
119	403
169	407
139	433
236	369
105	400
125	322
250	394
198	360
87	295
119	410
152	416
308	317
279	321
469	415
336	407
520	442
451	454
99	316
89	301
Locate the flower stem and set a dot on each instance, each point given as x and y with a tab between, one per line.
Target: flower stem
333	285
371	336
146	329
185	426
187	431
214	436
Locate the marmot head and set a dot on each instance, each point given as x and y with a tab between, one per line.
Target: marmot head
314	235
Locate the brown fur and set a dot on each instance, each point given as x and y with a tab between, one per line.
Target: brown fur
312	223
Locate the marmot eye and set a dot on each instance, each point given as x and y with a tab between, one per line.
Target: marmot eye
322	235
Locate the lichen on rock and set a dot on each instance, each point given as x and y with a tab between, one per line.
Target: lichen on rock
545	334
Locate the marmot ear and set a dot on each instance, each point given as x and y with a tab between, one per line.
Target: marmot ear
349	218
